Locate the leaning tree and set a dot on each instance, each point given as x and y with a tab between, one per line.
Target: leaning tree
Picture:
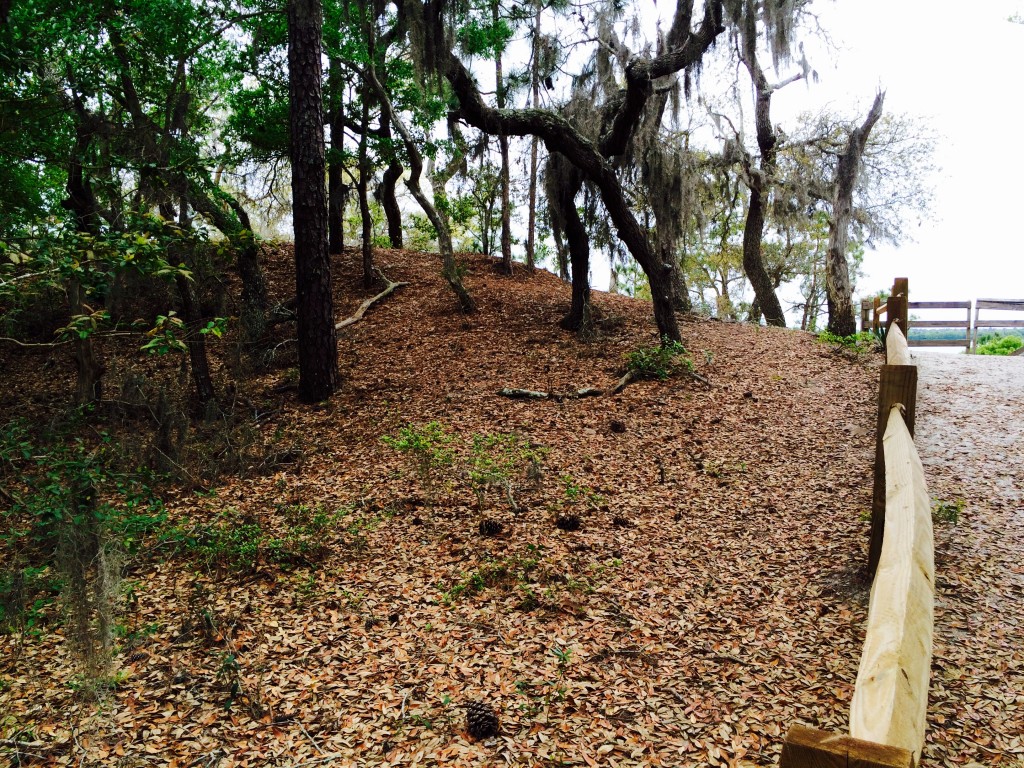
431	26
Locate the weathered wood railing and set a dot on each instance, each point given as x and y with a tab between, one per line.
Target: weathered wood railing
874	315
1000	304
890	699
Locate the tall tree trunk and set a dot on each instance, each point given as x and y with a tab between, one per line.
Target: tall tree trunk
759	181
575	234
335	186
531	225
82	203
449	269
317	338
386	191
506	213
839	291
363	191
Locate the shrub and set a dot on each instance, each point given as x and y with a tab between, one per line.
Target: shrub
428	449
75	511
658	362
997	344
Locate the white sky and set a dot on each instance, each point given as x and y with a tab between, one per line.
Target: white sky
957	66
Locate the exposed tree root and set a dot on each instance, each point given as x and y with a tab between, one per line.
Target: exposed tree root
532	394
355	318
621	384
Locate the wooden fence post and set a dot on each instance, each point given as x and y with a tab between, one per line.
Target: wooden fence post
897	384
874	314
897	305
810	748
865	311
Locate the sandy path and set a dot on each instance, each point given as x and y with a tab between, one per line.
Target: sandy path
970	435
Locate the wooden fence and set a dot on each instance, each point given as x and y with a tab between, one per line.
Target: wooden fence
890	699
874	316
1000	304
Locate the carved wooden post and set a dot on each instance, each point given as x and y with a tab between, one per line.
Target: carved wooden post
897	305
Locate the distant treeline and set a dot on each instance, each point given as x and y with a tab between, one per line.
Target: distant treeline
951	334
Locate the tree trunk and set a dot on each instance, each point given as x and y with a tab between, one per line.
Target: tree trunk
449	269
839	291
82	203
575	234
196	342
531	225
506	214
317	340
335	185
362	189
193	318
760	180
386	191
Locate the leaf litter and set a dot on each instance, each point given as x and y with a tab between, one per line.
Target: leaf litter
712	595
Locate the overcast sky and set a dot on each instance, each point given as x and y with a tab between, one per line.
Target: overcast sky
958	66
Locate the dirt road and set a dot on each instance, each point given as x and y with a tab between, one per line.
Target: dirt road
970	435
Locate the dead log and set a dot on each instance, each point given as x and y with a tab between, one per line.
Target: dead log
533	394
355	318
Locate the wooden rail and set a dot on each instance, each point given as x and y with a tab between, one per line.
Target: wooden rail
1002	304
874	316
890	699
965	324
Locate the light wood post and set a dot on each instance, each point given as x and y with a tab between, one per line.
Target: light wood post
897	305
876	304
897	385
810	748
865	312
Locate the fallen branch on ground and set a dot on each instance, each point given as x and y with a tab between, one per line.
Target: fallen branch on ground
391	288
628	378
532	394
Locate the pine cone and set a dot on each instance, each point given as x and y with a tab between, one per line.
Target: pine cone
568	522
481	720
490	527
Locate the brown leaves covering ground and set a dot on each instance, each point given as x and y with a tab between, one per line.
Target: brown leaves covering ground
712	597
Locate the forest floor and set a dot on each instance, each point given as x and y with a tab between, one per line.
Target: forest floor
712	596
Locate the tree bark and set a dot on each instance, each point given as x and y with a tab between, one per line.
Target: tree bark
317	339
531	225
506	215
82	203
336	191
759	181
449	269
575	234
386	191
838	289
362	189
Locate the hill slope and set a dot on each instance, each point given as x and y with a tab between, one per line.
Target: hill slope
709	599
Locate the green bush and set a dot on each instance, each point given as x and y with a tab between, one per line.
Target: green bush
428	449
659	362
74	513
865	341
496	460
997	344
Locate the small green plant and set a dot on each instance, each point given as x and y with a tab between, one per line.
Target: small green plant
947	511
860	343
997	344
75	511
564	655
496	460
576	492
659	362
428	447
